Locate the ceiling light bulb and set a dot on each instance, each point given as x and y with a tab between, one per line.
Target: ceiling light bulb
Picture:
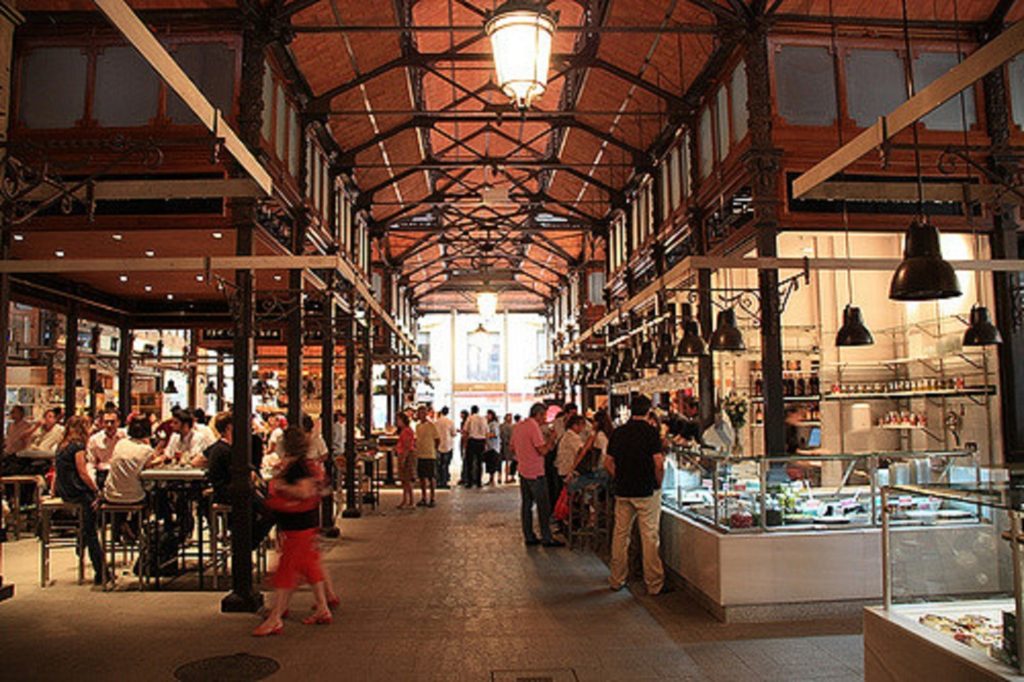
521	34
19	237
150	253
278	278
218	235
117	237
487	304
170	297
148	287
200	278
123	278
59	253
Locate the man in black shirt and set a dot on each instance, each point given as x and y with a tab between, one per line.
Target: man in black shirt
218	473
636	464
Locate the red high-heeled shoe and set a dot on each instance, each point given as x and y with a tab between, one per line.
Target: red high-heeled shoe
318	619
334	602
264	631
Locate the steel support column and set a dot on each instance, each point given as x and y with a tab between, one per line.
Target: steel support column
6	589
351	461
705	364
94	376
294	335
124	370
242	597
368	376
763	165
70	358
327	515
220	381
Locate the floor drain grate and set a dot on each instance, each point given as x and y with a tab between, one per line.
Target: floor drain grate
558	675
236	668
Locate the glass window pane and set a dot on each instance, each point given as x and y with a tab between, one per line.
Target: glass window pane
1016	70
675	178
280	104
806	89
722	121
127	88
595	287
663	187
266	127
875	84
927	67
635	221
483	356
684	164
294	140
649	204
706	148
738	90
52	87
211	66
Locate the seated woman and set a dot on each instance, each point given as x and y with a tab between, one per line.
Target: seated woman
74	484
131	456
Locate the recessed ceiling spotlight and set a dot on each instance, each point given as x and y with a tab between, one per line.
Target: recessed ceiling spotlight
148	287
117	236
59	253
170	297
123	278
278	278
200	278
150	253
18	237
218	235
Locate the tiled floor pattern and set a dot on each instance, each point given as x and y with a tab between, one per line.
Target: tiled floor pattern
433	594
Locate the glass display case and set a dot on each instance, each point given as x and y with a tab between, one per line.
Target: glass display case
957	592
809	492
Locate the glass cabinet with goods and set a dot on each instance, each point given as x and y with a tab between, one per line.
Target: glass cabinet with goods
952	601
807	493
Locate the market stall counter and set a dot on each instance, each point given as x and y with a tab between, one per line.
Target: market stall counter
781	538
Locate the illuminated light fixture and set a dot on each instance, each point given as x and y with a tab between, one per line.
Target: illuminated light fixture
18	237
200	278
487	304
218	235
691	345
727	336
923	275
278	278
117	236
170	297
123	278
982	332
150	253
853	332
148	288
521	33
59	253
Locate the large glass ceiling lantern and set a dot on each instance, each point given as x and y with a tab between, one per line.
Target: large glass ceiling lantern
487	304
520	33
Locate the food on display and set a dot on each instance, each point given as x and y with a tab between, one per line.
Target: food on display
981	633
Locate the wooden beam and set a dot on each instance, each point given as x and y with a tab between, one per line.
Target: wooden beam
905	191
143	40
990	56
210	188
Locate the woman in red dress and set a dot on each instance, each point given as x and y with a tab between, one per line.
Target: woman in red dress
295	493
406	459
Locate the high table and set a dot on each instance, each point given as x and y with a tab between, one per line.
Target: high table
187	481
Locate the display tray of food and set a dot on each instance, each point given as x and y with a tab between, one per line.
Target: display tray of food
977	625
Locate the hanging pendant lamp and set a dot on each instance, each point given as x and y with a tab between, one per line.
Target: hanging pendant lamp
170	387
645	360
727	336
853	332
924	275
981	331
691	345
611	372
666	352
628	361
521	33
211	388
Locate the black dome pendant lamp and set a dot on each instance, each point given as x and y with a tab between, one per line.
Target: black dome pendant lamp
853	332
727	336
981	331
691	345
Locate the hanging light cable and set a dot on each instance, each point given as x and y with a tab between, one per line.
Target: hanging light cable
924	275
980	330
853	331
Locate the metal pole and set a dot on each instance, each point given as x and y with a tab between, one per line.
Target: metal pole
242	597
221	388
294	349
368	376
70	359
351	475
1018	586
328	527
124	370
886	550
6	589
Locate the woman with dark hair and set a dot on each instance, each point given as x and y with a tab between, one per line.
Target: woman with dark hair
295	493
405	449
74	483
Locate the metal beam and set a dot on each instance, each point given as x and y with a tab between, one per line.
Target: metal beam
675	28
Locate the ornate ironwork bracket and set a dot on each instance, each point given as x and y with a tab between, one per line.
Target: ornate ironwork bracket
747	301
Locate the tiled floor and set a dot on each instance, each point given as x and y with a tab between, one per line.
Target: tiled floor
433	594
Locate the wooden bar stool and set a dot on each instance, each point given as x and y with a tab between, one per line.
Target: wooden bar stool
69	518
23	516
112	541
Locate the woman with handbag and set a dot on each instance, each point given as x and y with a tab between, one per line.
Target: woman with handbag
295	493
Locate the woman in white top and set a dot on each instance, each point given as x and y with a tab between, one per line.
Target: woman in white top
131	456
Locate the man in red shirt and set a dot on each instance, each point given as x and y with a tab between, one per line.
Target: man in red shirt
530	445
